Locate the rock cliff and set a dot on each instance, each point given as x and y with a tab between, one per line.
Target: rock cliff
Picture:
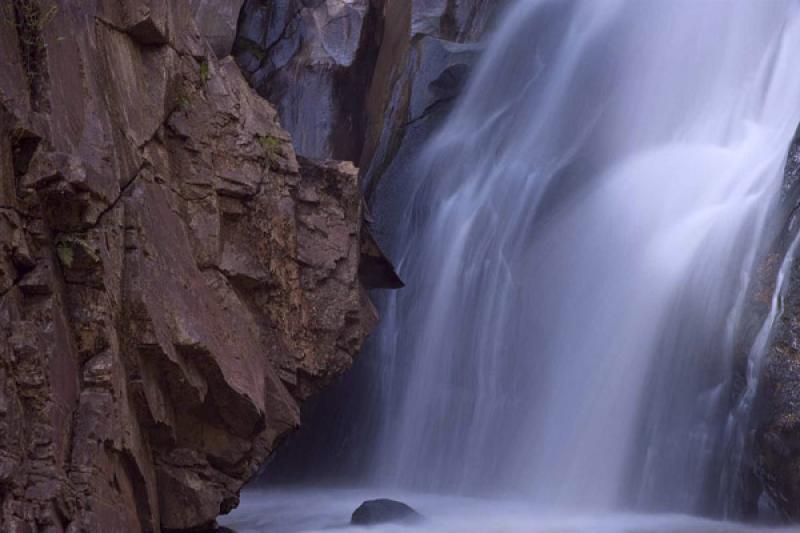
313	61
174	280
776	462
415	56
354	79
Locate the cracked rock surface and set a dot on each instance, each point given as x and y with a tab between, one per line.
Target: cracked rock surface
174	281
312	59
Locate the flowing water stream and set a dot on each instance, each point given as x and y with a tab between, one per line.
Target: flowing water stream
578	241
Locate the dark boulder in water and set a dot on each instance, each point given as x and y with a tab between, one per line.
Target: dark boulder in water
382	511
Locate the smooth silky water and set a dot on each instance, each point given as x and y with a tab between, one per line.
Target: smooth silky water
577	242
328	511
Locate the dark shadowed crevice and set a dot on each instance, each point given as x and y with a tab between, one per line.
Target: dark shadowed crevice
30	19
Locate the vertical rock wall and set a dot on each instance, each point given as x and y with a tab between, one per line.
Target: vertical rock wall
776	428
427	52
350	76
313	60
173	280
416	56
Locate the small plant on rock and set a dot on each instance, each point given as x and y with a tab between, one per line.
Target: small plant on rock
70	247
182	101
271	145
205	72
65	254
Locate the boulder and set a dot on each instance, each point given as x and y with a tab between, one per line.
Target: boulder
384	511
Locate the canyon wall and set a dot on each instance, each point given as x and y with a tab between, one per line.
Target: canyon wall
775	463
178	272
416	56
174	280
354	79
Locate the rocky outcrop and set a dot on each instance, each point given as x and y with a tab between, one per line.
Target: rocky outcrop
384	511
173	279
353	79
427	52
313	60
416	56
777	453
216	22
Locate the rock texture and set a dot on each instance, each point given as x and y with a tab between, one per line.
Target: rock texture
427	51
173	279
313	60
777	453
349	76
416	55
217	21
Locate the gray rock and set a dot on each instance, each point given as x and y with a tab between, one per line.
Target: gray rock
384	511
336	79
777	453
311	60
216	20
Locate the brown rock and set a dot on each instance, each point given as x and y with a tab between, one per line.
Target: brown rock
172	281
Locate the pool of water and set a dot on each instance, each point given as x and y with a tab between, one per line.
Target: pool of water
329	510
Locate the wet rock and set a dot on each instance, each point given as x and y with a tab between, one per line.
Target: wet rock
777	431
363	80
384	511
428	50
419	94
390	94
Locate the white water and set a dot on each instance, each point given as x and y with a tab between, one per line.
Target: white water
328	511
577	251
577	254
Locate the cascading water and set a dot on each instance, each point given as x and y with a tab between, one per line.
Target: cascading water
578	249
577	243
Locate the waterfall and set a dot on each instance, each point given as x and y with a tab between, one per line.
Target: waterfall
578	243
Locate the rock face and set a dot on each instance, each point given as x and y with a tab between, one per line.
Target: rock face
416	56
372	87
173	279
313	60
777	443
427	51
349	76
216	21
